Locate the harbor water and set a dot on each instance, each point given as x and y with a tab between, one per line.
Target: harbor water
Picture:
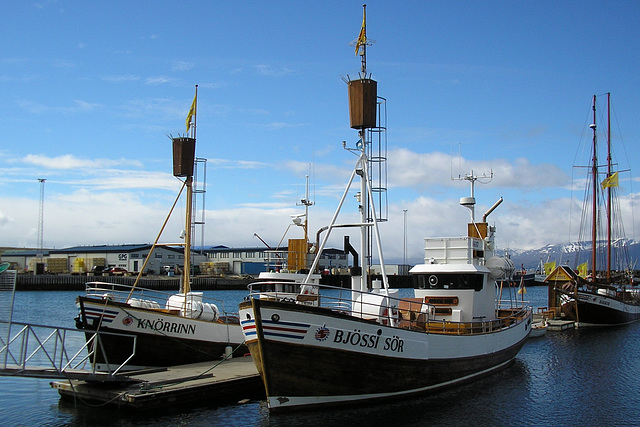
584	377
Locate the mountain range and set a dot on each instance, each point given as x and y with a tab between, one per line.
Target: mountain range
565	253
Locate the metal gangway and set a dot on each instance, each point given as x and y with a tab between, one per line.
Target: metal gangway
40	351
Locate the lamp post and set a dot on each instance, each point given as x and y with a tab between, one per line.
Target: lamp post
404	258
41	216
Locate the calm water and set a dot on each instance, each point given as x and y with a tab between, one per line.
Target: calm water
588	377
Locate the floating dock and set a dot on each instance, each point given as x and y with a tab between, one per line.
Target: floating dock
556	325
561	325
228	381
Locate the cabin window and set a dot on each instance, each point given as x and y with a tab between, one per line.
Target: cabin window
449	281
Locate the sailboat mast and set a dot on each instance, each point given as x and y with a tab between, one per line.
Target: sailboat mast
608	187
186	284
594	178
185	157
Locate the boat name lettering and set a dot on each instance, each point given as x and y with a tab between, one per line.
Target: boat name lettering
163	326
394	344
357	338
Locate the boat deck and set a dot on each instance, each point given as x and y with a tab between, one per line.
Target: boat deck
228	381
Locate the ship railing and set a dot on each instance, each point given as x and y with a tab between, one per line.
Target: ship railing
56	352
407	313
122	293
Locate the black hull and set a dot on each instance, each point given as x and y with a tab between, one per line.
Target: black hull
156	351
375	375
150	349
600	310
332	377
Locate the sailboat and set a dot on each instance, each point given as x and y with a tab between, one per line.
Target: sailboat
339	346
606	296
142	328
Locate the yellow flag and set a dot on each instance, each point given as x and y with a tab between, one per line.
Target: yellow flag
362	37
582	270
522	290
610	181
549	267
192	112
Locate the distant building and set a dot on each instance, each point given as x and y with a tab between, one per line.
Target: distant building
254	260
131	257
82	259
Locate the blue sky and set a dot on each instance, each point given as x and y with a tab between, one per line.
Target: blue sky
90	92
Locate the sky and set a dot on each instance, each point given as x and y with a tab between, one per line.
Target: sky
92	92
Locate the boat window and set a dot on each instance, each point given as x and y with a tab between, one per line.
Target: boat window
448	281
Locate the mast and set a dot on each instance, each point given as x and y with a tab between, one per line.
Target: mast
362	41
306	202
608	187
186	285
183	164
594	208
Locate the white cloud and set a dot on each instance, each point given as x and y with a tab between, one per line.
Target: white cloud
181	66
121	78
159	80
269	70
69	161
422	170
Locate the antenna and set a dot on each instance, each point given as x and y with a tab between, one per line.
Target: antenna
306	202
470	201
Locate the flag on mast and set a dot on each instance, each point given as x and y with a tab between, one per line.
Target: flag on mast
610	181
362	37
192	111
582	270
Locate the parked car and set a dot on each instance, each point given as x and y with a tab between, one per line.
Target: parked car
116	271
98	269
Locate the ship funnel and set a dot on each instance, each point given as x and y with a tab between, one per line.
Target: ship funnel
495	205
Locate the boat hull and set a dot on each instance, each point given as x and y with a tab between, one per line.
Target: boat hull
597	309
154	338
313	356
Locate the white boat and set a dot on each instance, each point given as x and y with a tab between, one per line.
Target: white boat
140	328
539	329
605	293
286	270
340	346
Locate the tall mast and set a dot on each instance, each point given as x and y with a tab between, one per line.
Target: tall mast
306	202
183	158
362	41
594	177
608	187
186	284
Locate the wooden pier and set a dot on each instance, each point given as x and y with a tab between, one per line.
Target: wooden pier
226	381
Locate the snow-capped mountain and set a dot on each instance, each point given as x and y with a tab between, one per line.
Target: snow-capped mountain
566	253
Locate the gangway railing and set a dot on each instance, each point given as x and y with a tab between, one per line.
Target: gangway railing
56	352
